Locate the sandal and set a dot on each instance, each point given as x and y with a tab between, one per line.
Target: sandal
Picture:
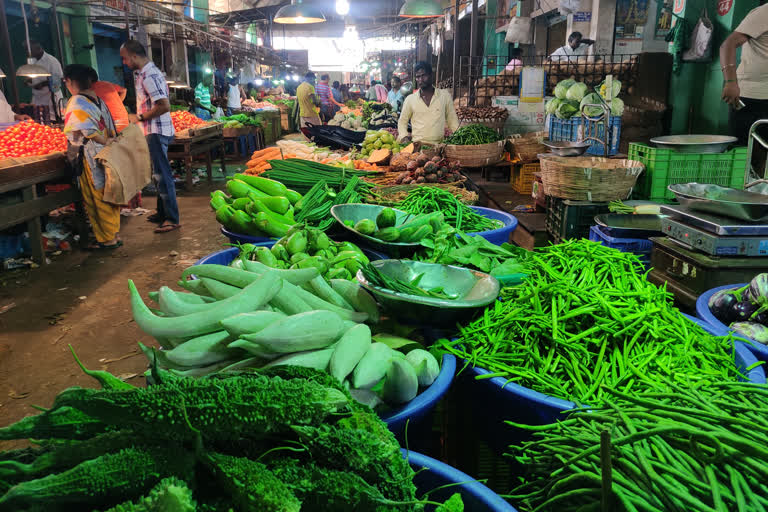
101	246
156	218
167	228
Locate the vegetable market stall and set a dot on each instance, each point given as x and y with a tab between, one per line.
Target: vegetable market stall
197	141
22	177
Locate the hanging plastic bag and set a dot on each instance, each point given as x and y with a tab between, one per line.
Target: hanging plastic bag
519	30
700	46
218	114
568	6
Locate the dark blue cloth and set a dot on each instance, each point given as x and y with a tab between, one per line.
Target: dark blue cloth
167	207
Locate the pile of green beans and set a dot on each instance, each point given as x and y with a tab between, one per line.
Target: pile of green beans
693	448
377	278
472	135
458	215
585	318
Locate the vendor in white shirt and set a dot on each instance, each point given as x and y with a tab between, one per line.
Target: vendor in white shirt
42	86
6	112
577	46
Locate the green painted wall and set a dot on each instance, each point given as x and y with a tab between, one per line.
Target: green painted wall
695	92
494	43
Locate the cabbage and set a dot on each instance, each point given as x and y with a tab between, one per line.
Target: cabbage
552	105
567	109
591	99
576	92
617	107
561	89
616	88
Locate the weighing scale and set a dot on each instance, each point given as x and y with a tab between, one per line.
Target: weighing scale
714	235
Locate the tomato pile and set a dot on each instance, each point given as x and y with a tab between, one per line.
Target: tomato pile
183	120
29	138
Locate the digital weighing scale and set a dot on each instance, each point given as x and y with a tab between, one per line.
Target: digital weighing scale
710	234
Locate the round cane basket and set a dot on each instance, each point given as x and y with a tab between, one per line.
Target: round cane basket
528	147
478	155
589	178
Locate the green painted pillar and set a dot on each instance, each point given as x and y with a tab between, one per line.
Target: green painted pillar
82	37
201	10
494	43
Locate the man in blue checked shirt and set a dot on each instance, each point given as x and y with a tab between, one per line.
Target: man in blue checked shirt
153	115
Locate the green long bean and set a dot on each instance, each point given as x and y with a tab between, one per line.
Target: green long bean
422	200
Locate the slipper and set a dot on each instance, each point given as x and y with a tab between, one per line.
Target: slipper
167	228
100	246
157	219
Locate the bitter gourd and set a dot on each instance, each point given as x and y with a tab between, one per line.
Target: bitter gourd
251	485
108	478
218	409
61	423
169	495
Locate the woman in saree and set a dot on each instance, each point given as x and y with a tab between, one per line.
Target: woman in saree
88	126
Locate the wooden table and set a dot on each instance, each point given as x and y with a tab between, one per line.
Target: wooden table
198	141
24	175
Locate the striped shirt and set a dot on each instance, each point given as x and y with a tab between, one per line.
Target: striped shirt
323	92
150	88
203	93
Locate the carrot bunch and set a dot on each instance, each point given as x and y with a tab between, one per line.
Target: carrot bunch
259	161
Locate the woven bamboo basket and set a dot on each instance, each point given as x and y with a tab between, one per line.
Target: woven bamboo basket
529	146
478	155
589	178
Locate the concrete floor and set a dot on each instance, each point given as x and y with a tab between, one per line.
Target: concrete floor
81	299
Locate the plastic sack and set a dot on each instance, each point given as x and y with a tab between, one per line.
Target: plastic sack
519	30
569	6
700	46
218	114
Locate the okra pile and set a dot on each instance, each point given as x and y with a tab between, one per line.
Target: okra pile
585	318
283	439
694	447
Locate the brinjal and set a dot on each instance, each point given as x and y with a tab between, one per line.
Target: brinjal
721	304
761	318
751	330
742	311
758	288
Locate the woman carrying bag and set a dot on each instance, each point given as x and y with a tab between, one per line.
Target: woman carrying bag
89	127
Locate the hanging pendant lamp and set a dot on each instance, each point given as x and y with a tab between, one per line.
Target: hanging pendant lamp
32	70
298	13
421	9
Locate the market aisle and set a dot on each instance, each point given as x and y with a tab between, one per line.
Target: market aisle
82	299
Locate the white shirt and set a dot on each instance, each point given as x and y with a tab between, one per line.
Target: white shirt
6	112
428	123
43	96
566	52
752	72
233	98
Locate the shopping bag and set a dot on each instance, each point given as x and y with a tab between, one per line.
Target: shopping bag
218	114
700	46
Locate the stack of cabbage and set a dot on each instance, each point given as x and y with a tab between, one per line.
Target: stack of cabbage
571	95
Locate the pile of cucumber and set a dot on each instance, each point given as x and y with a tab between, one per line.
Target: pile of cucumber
306	247
248	315
255	206
385	228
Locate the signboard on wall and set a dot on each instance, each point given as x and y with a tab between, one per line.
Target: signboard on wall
663	21
583	16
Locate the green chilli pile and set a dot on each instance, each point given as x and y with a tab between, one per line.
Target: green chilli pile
286	439
423	200
585	318
691	448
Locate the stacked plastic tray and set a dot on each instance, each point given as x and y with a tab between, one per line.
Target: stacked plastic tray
640	246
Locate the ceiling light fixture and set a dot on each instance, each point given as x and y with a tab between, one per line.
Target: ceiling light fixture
298	13
421	9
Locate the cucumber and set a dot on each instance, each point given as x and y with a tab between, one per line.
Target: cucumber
349	351
202	351
317	359
356	295
386	218
372	367
401	384
305	331
425	365
365	227
390	234
250	298
248	323
423	220
410	235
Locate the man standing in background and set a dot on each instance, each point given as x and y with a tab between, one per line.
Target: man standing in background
308	102
429	110
153	115
203	107
46	90
394	97
323	92
573	51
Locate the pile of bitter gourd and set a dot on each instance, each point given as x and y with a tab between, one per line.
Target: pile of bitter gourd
284	439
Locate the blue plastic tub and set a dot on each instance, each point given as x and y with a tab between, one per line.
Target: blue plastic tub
476	496
702	311
496	236
534	408
239	238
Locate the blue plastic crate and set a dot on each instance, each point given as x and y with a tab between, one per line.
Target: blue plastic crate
640	246
13	245
568	130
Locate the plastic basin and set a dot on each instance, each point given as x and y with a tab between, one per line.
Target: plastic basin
525	405
703	312
476	496
239	238
500	235
414	413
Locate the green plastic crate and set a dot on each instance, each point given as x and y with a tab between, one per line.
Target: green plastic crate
664	167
